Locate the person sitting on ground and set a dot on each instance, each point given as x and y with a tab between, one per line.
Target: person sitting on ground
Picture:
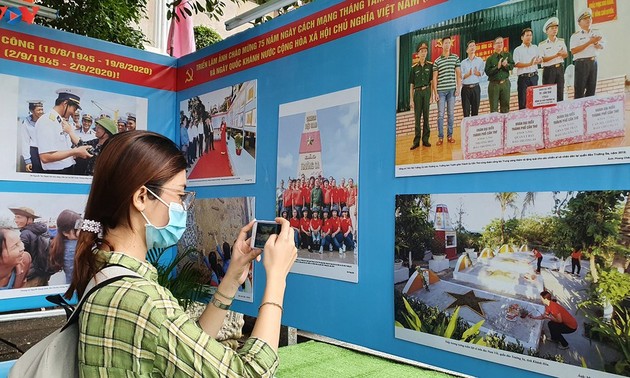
316	231
305	230
346	230
14	260
335	231
134	321
295	224
326	230
560	320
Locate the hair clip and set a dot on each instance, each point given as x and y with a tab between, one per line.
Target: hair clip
91	226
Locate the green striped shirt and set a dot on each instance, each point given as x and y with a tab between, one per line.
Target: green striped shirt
135	328
445	67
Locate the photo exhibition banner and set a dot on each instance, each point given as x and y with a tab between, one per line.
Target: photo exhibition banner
487	139
507	250
64	96
34	264
318	166
212	228
217	134
555	102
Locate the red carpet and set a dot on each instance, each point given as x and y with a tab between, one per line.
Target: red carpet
212	163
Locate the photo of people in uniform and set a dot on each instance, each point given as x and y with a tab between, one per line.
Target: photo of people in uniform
317	182
207	243
61	129
38	235
547	91
217	135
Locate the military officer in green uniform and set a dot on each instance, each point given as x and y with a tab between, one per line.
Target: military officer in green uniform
498	67
420	81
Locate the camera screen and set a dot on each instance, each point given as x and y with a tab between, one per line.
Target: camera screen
263	232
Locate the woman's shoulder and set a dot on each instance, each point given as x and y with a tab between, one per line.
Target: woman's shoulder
137	295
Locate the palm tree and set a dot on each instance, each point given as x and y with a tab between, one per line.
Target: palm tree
505	199
530	199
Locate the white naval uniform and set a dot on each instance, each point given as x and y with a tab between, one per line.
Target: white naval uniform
51	138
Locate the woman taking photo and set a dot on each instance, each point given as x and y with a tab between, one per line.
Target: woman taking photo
134	326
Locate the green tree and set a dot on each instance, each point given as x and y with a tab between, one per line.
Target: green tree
413	231
529	200
110	20
498	232
213	8
204	37
591	222
538	231
506	200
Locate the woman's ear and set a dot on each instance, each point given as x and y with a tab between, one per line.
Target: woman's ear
139	199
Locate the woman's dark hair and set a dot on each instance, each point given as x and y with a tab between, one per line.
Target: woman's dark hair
214	264
545	294
66	222
129	161
227	252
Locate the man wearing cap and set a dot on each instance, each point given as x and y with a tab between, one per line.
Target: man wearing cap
105	129
472	71
76	119
122	125
85	132
305	230
316	231
526	60
447	82
585	45
498	67
131	121
55	147
335	230
30	232
30	152
553	51
317	195
420	95
326	239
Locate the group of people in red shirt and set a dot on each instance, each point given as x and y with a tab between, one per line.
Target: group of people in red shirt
314	206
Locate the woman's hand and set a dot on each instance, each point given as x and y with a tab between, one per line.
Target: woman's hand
280	252
242	256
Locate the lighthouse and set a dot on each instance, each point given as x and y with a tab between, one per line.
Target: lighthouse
444	231
310	162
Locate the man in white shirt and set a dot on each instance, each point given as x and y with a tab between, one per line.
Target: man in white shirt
131	121
554	52
472	72
526	60
585	45
85	132
55	147
30	153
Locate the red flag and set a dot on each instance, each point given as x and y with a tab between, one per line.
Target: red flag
181	38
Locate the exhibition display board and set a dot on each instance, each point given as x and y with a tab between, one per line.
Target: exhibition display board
322	107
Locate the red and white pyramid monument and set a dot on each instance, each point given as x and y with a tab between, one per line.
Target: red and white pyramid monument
310	163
